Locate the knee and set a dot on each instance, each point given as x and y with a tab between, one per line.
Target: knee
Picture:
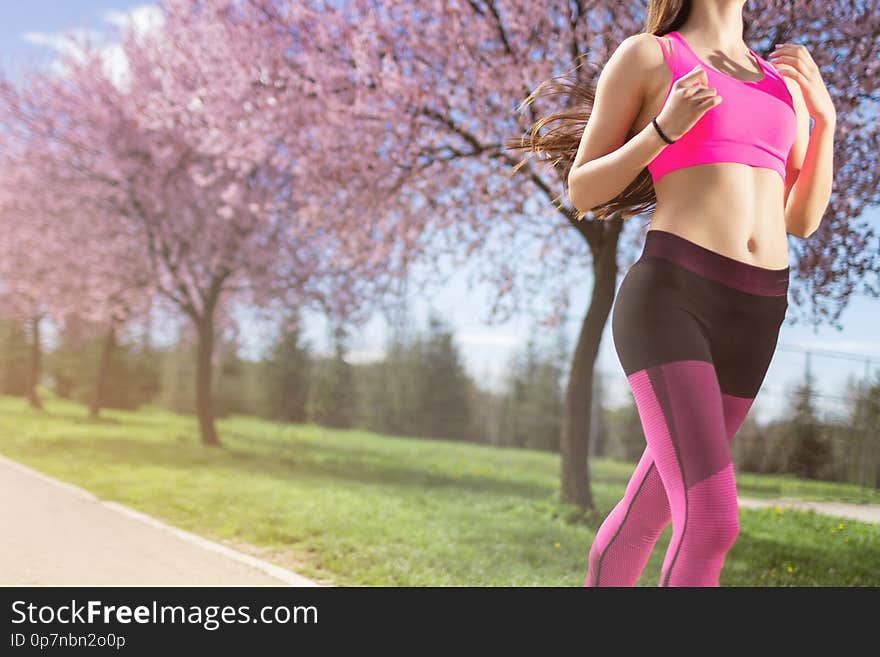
716	532
725	532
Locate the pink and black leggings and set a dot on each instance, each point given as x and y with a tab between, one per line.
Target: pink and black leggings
695	332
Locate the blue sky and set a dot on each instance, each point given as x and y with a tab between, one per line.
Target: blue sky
27	29
20	20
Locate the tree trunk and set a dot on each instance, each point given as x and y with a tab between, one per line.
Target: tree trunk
575	438
204	398
103	372
36	358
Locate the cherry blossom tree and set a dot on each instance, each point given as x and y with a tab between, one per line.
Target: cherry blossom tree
206	153
60	256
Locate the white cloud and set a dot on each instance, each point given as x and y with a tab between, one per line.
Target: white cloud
141	19
365	355
488	339
60	41
355	356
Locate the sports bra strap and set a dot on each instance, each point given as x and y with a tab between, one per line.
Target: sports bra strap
667	57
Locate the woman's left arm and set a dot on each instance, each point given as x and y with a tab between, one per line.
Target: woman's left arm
808	197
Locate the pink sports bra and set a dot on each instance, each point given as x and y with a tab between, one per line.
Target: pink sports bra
755	123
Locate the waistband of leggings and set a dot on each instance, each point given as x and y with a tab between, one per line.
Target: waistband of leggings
713	265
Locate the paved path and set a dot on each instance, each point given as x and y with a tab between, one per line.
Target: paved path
863	512
59	534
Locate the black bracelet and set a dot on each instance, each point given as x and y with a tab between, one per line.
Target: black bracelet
662	134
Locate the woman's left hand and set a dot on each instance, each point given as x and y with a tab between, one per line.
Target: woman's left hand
794	61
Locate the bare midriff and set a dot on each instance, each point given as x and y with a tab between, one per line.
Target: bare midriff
731	208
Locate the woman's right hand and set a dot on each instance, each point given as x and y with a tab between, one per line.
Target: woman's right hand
689	98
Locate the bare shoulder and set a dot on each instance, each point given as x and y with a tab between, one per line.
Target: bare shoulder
640	50
635	62
637	65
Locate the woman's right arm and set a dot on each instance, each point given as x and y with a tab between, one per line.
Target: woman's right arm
606	163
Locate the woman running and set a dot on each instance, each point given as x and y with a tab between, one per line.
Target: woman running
725	136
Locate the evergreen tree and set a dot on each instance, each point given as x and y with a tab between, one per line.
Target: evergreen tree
390	388
864	423
809	451
532	410
485	416
749	446
444	387
100	368
333	402
599	423
228	381
177	373
288	372
626	437
149	361
65	363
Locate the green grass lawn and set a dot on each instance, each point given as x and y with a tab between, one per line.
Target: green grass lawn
356	508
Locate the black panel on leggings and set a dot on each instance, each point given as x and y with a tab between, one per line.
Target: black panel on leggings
665	312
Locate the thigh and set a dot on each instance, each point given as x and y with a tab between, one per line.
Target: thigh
743	345
664	347
682	415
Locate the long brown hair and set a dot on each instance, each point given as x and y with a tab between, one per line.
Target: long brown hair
559	144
